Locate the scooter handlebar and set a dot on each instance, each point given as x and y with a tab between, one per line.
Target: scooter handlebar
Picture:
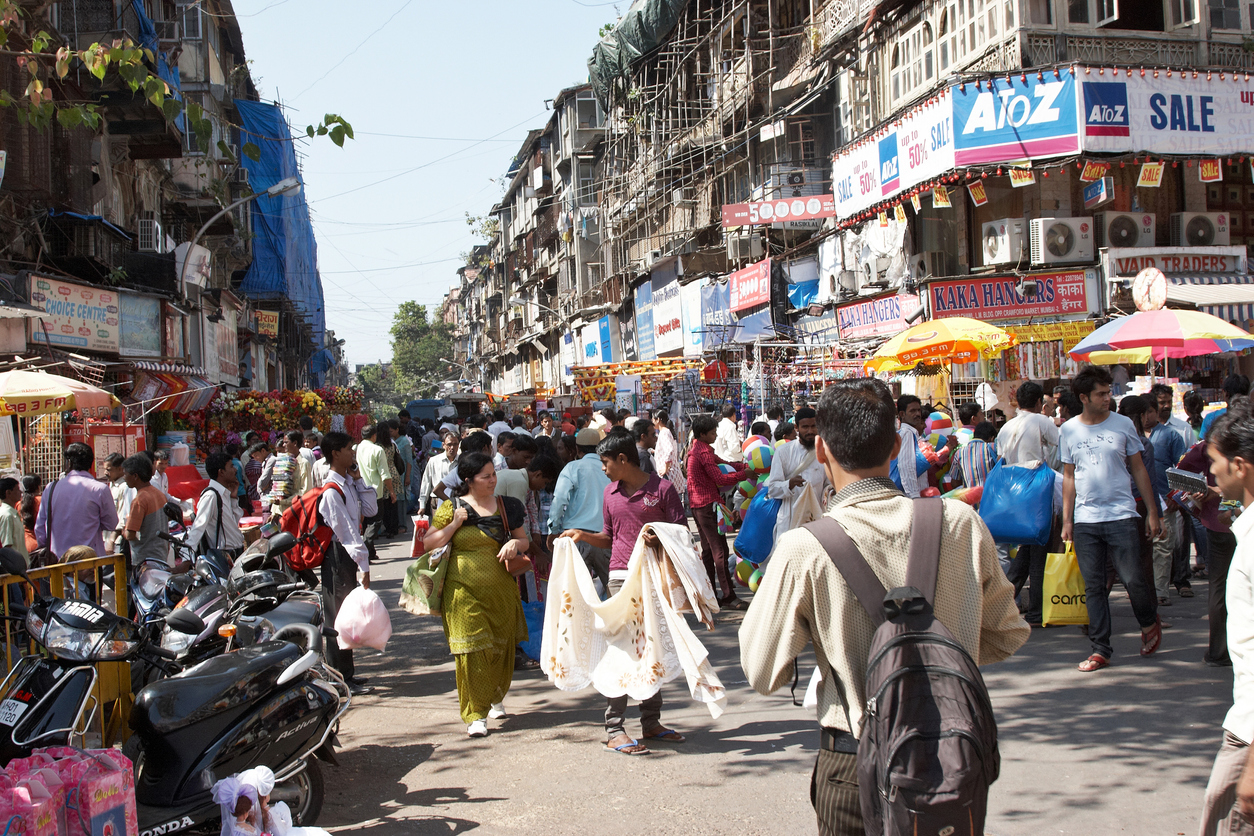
302	634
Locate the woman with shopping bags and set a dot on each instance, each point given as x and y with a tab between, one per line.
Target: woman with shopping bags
481	607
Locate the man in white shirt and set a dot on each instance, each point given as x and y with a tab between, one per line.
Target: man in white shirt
1229	802
443	454
343	510
910	418
728	444
217	512
793	467
499	424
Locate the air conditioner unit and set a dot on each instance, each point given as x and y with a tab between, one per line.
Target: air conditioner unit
848	281
873	276
1124	229
240	176
1061	240
150	239
653	257
682	197
925	264
1003	241
1199	229
744	247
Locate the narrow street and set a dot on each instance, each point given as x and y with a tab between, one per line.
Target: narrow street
1126	750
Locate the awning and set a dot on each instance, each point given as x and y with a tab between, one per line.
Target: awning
1229	296
167	368
171	386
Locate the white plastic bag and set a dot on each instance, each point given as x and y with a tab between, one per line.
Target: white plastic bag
363	621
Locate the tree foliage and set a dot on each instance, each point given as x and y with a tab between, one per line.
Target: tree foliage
417	346
379	385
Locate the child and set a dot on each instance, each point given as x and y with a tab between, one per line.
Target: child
257	455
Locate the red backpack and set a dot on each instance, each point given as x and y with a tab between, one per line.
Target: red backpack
313	535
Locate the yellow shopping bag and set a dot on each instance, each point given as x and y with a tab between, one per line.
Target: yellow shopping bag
1063	600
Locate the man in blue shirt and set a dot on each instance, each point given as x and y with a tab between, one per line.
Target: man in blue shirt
578	500
1168	450
1233	385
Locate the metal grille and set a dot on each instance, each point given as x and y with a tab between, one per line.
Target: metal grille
44	446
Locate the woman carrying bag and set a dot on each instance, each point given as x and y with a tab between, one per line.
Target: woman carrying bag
480	607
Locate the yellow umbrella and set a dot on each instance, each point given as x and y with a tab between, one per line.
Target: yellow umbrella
26	393
955	339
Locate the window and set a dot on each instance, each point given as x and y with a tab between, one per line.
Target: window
1010	15
1041	12
1184	13
191	23
1225	14
1077	11
587	185
1108	11
945	42
912	65
587	111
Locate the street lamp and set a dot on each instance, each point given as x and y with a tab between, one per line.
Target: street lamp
285	186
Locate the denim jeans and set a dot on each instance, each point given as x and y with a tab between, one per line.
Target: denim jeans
1118	544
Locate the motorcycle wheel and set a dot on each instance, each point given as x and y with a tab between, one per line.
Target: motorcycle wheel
303	794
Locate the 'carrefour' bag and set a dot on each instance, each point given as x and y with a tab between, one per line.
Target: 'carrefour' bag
1062	595
1018	504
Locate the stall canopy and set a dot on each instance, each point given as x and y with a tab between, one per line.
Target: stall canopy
1228	296
171	386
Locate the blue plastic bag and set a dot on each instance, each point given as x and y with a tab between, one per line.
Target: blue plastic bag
1018	504
757	532
533	612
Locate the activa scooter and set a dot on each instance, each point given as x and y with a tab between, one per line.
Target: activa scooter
272	704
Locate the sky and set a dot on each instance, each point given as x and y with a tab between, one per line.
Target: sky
440	96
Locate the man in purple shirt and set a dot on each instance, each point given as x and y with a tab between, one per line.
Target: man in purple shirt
81	507
632	500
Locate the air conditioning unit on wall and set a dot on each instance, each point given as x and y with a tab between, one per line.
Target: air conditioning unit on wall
744	247
1003	241
1061	240
925	264
1199	229
1124	229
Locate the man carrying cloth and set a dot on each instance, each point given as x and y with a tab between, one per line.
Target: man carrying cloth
793	467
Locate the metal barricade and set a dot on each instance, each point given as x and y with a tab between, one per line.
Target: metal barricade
112	693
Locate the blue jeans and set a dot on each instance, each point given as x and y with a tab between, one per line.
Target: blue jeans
1117	542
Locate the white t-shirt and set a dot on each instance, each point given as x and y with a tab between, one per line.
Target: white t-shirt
1028	437
1103	484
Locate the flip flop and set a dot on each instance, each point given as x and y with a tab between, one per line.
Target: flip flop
1094	663
622	750
1151	639
669	735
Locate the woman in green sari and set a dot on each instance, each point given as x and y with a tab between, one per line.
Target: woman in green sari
481	607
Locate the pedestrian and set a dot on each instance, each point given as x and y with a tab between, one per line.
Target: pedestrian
80	508
480	607
1229	800
546	428
666	451
389	500
911	424
12	531
705	480
284	474
977	457
307	434
1162	396
804	599
970	415
504	446
29	508
728	443
577	503
1101	456
568	426
116	480
1221	545
499	424
476	442
1136	409
1170	440
241	490
438	466
542	473
633	499
254	467
146	521
645	435
372	464
217	513
347	502
1194	403
785	432
405	450
160	480
774	417
1234	385
567	449
793	467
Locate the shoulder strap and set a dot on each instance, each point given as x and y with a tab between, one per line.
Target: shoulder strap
849	561
217	543
925	534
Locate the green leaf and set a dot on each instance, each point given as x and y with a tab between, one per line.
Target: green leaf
337	136
171	108
309	130
251	151
226	151
70	117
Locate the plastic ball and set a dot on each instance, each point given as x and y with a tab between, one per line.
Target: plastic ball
751	442
940	424
930	491
759	458
755	580
726	468
744	572
748	488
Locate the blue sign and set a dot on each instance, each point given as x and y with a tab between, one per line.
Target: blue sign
644	322
1099	192
1008	119
607	351
1106	108
890	170
722	327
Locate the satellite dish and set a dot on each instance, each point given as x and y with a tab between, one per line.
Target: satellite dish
1149	289
1060	239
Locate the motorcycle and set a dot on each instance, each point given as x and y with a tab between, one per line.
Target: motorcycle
272	703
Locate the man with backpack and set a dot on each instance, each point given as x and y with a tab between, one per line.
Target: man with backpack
217	512
825	585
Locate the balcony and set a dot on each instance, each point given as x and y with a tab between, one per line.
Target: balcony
86	246
1163	50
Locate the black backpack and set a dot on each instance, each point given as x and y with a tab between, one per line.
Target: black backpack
928	748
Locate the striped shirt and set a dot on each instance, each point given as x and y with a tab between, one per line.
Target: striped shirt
975	459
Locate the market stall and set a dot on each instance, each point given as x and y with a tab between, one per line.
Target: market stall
231	415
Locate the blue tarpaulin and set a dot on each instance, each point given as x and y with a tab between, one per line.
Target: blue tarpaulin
285	255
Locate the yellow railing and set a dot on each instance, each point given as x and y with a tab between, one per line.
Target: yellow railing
113	684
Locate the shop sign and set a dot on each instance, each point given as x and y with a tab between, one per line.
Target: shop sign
940	198
1094	171
722	327
172	344
886	315
995	297
1068	333
644	322
228	346
1151	176
919	148
825	327
268	323
778	211
1166	113
1210	171
605	330
75	316
140	328
567	354
979	196
1020	177
590	341
1128	261
690	312
1007	119
668	323
751	286
627	331
1099	192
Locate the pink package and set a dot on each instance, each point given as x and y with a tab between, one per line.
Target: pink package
101	791
27	808
56	787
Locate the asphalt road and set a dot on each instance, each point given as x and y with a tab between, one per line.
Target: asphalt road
1125	750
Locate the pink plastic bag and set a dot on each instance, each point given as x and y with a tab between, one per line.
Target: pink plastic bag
363	621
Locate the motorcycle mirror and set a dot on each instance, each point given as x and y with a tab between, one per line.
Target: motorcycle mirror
174	512
184	620
281	543
11	563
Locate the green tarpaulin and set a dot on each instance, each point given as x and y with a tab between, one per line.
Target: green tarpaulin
641	30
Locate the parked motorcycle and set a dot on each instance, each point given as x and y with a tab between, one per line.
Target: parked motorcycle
272	704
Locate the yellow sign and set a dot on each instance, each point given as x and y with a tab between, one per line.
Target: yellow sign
268	323
940	196
978	196
883	219
1210	171
1020	177
901	213
914	201
1151	176
1069	333
1094	171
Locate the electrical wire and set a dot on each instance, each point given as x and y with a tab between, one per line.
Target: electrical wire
337	64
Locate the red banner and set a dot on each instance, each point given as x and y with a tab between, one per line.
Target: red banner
776	211
995	297
751	286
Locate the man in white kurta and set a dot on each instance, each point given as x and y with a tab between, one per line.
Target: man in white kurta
793	467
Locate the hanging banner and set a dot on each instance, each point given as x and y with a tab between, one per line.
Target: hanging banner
74	316
1094	171
1007	119
914	202
883	218
1020	177
268	323
668	323
140	328
995	297
978	195
1210	171
886	315
566	352
1099	192
590	342
690	308
751	286
919	148
775	211
644	321
722	328
1151	176
940	198
900	213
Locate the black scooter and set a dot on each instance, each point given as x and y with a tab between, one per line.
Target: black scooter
272	704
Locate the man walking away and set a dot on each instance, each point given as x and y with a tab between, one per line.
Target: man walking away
217	513
632	500
372	467
804	598
793	467
1229	804
1169	449
344	510
578	501
147	520
1101	456
729	445
1234	385
705	479
499	424
977	457
80	508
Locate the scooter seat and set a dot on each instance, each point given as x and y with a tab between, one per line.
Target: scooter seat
222	684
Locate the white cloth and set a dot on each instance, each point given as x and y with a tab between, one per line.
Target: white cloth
225	794
727	445
1185	430
498	427
793	460
907	469
1029	437
308	455
344	515
261	779
638	639
321	470
206	524
1240	598
666	454
500	463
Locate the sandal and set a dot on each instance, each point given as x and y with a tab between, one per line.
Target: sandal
1094	663
1152	638
631	747
669	735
